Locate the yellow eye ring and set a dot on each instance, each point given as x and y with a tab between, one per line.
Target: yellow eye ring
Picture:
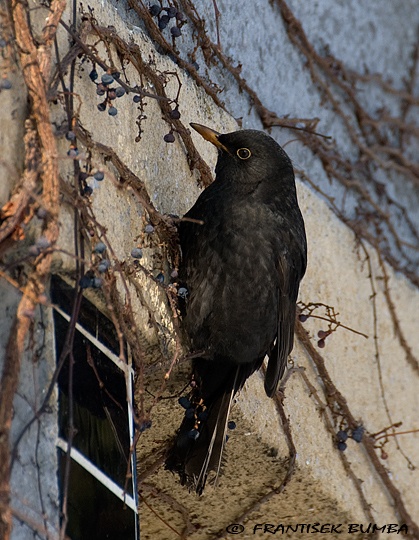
244	153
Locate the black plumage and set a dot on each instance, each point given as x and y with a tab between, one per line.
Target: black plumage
243	253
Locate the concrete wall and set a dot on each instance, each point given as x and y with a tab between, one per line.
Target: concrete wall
34	486
374	374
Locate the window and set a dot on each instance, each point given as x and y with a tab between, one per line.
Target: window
95	397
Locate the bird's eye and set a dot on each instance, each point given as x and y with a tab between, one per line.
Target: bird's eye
244	153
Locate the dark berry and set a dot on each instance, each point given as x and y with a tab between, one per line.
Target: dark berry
203	415
120	91
149	228
102	106
342	436
86	282
103	266
302	317
190	413
193	434
136	98
175	114
175	31
93	75
164	19
97	282
231	425
184	402
195	65
183	292
6	84
3	43
41	213
137	253
99	247
99	176
87	191
111	93
116	75
160	277
342	446
73	152
107	79
145	425
169	138
100	89
42	243
322	334
171	12
357	434
321	343
154	10
112	111
70	136
33	251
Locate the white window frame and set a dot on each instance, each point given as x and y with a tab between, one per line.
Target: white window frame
78	457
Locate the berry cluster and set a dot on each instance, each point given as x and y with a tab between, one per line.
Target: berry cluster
104	88
198	412
164	15
111	93
83	176
101	264
73	152
321	334
174	115
137	252
40	245
342	437
167	281
89	280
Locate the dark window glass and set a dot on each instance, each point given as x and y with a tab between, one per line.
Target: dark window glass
101	425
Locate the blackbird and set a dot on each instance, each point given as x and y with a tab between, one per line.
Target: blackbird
243	254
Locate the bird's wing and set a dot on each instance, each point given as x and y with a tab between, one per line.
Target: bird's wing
290	272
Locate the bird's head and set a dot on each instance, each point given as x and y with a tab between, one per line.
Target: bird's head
248	156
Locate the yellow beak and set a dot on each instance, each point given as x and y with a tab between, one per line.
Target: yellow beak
209	135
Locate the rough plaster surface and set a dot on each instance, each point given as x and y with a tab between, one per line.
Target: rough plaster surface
367	37
34	482
257	455
11	136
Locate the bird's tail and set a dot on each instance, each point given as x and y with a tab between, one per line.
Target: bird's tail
196	454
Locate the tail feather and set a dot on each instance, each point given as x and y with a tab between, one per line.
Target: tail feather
214	451
198	448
